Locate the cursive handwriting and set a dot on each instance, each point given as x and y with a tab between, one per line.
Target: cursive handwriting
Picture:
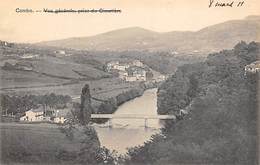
213	3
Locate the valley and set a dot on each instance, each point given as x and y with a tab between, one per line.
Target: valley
49	90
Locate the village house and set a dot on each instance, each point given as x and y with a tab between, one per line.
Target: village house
253	67
140	74
60	115
28	56
42	114
122	74
33	115
121	67
130	78
60	53
137	63
136	74
161	78
111	65
59	120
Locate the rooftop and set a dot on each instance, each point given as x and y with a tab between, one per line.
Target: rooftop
255	64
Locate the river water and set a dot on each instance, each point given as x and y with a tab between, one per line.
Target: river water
126	133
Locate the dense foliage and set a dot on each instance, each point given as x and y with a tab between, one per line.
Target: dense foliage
221	125
89	152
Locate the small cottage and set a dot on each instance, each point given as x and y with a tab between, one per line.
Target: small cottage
111	65
130	78
122	74
59	120
137	63
33	115
136	74
60	115
253	67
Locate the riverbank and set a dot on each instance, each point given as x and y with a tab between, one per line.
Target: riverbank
110	105
127	133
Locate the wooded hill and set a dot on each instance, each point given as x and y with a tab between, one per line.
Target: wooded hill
222	104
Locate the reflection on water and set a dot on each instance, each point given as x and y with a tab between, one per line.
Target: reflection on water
127	133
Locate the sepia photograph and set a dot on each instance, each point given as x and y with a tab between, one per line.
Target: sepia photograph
129	82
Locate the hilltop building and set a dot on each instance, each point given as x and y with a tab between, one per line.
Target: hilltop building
252	68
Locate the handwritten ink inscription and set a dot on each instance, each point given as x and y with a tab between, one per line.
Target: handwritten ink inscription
216	3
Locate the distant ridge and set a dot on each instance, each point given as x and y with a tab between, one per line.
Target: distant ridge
212	38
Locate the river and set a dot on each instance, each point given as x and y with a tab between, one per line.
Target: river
127	133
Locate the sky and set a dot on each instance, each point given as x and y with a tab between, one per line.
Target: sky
156	15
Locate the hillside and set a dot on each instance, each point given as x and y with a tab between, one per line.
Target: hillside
27	65
135	38
221	124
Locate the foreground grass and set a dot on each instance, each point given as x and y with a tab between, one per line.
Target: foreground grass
42	144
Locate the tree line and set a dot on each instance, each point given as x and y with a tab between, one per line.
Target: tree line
17	105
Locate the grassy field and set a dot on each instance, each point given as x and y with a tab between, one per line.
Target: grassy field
18	78
36	143
50	73
102	88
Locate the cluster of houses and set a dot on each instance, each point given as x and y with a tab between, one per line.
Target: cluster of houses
128	71
42	114
252	68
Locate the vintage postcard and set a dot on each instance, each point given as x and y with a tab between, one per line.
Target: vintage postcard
129	82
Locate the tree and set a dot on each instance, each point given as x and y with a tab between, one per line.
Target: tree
85	107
